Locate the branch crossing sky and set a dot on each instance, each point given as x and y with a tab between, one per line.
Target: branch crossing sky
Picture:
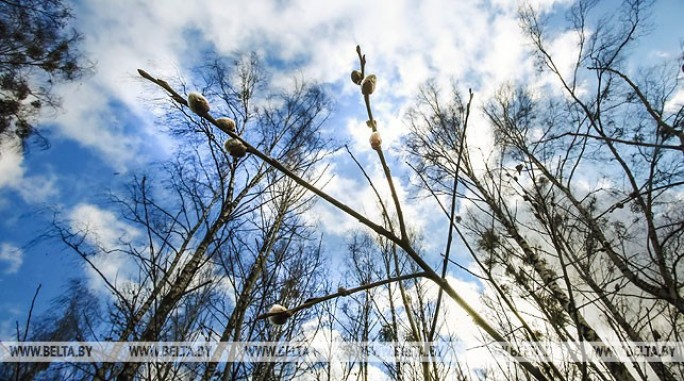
109	129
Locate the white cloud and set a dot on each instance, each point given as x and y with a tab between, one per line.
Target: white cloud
10	163
676	102
104	230
12	257
406	43
473	42
540	6
33	189
329	217
89	119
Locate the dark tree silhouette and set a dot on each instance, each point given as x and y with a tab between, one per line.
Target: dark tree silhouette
37	49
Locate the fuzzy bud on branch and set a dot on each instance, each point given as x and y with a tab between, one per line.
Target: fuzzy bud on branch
227	123
198	104
375	140
281	315
368	85
235	148
356	77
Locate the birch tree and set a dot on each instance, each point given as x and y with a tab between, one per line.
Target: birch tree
575	210
215	224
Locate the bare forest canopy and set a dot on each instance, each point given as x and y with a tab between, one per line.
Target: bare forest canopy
572	219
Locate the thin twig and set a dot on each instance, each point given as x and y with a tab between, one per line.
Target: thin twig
344	292
28	318
372	185
450	235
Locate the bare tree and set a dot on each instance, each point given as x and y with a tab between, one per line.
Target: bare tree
70	318
398	237
214	222
574	211
37	49
532	224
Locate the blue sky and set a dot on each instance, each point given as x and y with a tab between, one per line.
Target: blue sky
108	129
